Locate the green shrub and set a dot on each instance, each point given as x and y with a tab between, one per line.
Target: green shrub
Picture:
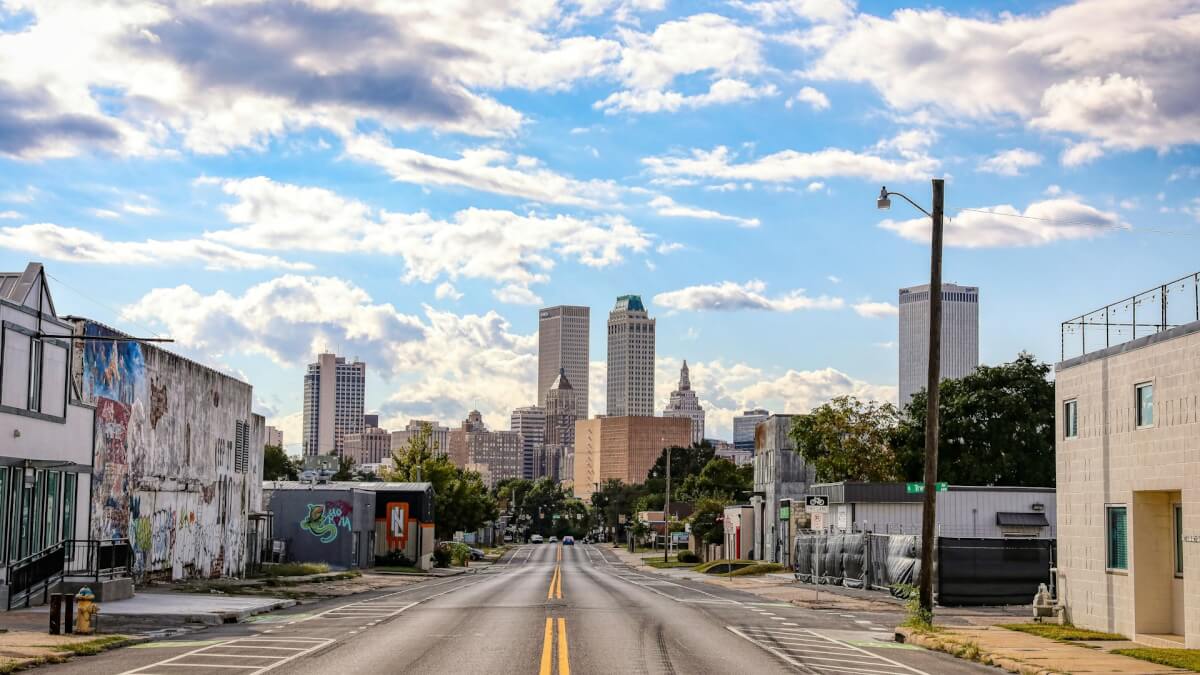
441	556
687	557
394	559
294	569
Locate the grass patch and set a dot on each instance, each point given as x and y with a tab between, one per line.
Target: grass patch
722	564
1188	659
1062	633
95	646
741	568
657	562
294	569
400	569
759	568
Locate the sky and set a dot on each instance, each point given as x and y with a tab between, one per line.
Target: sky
407	183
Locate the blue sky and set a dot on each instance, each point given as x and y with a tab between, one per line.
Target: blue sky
408	185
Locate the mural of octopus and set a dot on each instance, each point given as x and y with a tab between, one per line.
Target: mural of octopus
318	525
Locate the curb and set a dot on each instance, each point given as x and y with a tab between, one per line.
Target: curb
968	651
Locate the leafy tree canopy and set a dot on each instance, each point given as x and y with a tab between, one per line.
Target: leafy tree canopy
848	439
996	427
278	466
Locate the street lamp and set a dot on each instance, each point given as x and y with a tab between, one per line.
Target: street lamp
929	505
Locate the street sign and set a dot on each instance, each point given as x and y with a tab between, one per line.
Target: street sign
917	488
816	503
785	512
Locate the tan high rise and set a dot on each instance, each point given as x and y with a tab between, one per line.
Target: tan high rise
630	359
624	448
334	391
563	334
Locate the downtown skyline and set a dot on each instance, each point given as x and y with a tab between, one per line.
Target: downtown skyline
732	188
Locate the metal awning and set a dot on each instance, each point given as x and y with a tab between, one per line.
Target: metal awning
1008	518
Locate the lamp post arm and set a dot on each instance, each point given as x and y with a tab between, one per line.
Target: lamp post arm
905	197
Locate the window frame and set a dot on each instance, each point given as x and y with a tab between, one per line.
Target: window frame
1139	423
33	393
1177	526
1109	509
1071	418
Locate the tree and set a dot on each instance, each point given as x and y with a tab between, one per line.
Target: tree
996	427
345	469
277	465
721	479
460	499
708	520
613	500
847	439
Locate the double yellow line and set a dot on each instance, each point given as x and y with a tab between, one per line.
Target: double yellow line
564	660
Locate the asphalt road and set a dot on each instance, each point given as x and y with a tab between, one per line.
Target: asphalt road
542	609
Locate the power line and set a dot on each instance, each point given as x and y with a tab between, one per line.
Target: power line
115	312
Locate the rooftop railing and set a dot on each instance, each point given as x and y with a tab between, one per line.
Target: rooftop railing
1172	304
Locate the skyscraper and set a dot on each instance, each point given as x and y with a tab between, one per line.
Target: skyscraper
684	404
630	359
743	428
559	440
530	422
333	403
960	335
563	344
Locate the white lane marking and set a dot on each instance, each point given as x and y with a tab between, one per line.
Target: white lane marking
202	652
878	656
802	652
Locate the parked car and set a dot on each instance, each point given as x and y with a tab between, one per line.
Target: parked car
535	539
476	554
568	540
553	539
508	538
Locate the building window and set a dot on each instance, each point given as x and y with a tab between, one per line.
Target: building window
1071	419
1178	518
35	375
1145	405
1118	539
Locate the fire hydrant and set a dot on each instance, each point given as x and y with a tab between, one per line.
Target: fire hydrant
86	610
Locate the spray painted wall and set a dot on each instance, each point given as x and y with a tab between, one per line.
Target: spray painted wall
178	456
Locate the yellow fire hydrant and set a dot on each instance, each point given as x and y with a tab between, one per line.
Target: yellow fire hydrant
86	610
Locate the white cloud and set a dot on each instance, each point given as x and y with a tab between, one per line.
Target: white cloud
815	186
107	214
726	389
9	215
498	245
1184	172
1011	162
731	296
441	363
141	78
886	345
668	247
1052	190
725	90
1119	74
812	97
875	310
1128	204
834	279
516	294
484	169
665	206
446	290
1081	153
703	43
142	209
814	11
75	245
790	165
1043	222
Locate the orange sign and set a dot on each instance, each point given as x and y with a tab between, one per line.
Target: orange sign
397	525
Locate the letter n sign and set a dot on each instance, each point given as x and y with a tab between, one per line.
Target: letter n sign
397	525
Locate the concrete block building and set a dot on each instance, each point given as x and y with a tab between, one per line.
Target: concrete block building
177	456
1128	469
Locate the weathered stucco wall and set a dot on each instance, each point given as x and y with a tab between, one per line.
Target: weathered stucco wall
178	456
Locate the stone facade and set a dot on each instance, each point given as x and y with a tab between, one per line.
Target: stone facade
1111	468
369	446
684	403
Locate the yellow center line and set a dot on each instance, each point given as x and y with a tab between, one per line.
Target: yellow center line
564	664
548	648
558	586
553	579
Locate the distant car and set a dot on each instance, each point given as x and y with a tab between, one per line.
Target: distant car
568	540
553	539
508	538
535	539
476	554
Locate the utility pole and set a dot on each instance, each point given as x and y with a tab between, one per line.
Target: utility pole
667	510
929	505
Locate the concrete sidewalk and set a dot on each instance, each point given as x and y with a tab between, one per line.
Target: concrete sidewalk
1027	654
165	609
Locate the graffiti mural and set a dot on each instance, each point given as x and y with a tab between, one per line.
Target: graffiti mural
159	479
323	520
